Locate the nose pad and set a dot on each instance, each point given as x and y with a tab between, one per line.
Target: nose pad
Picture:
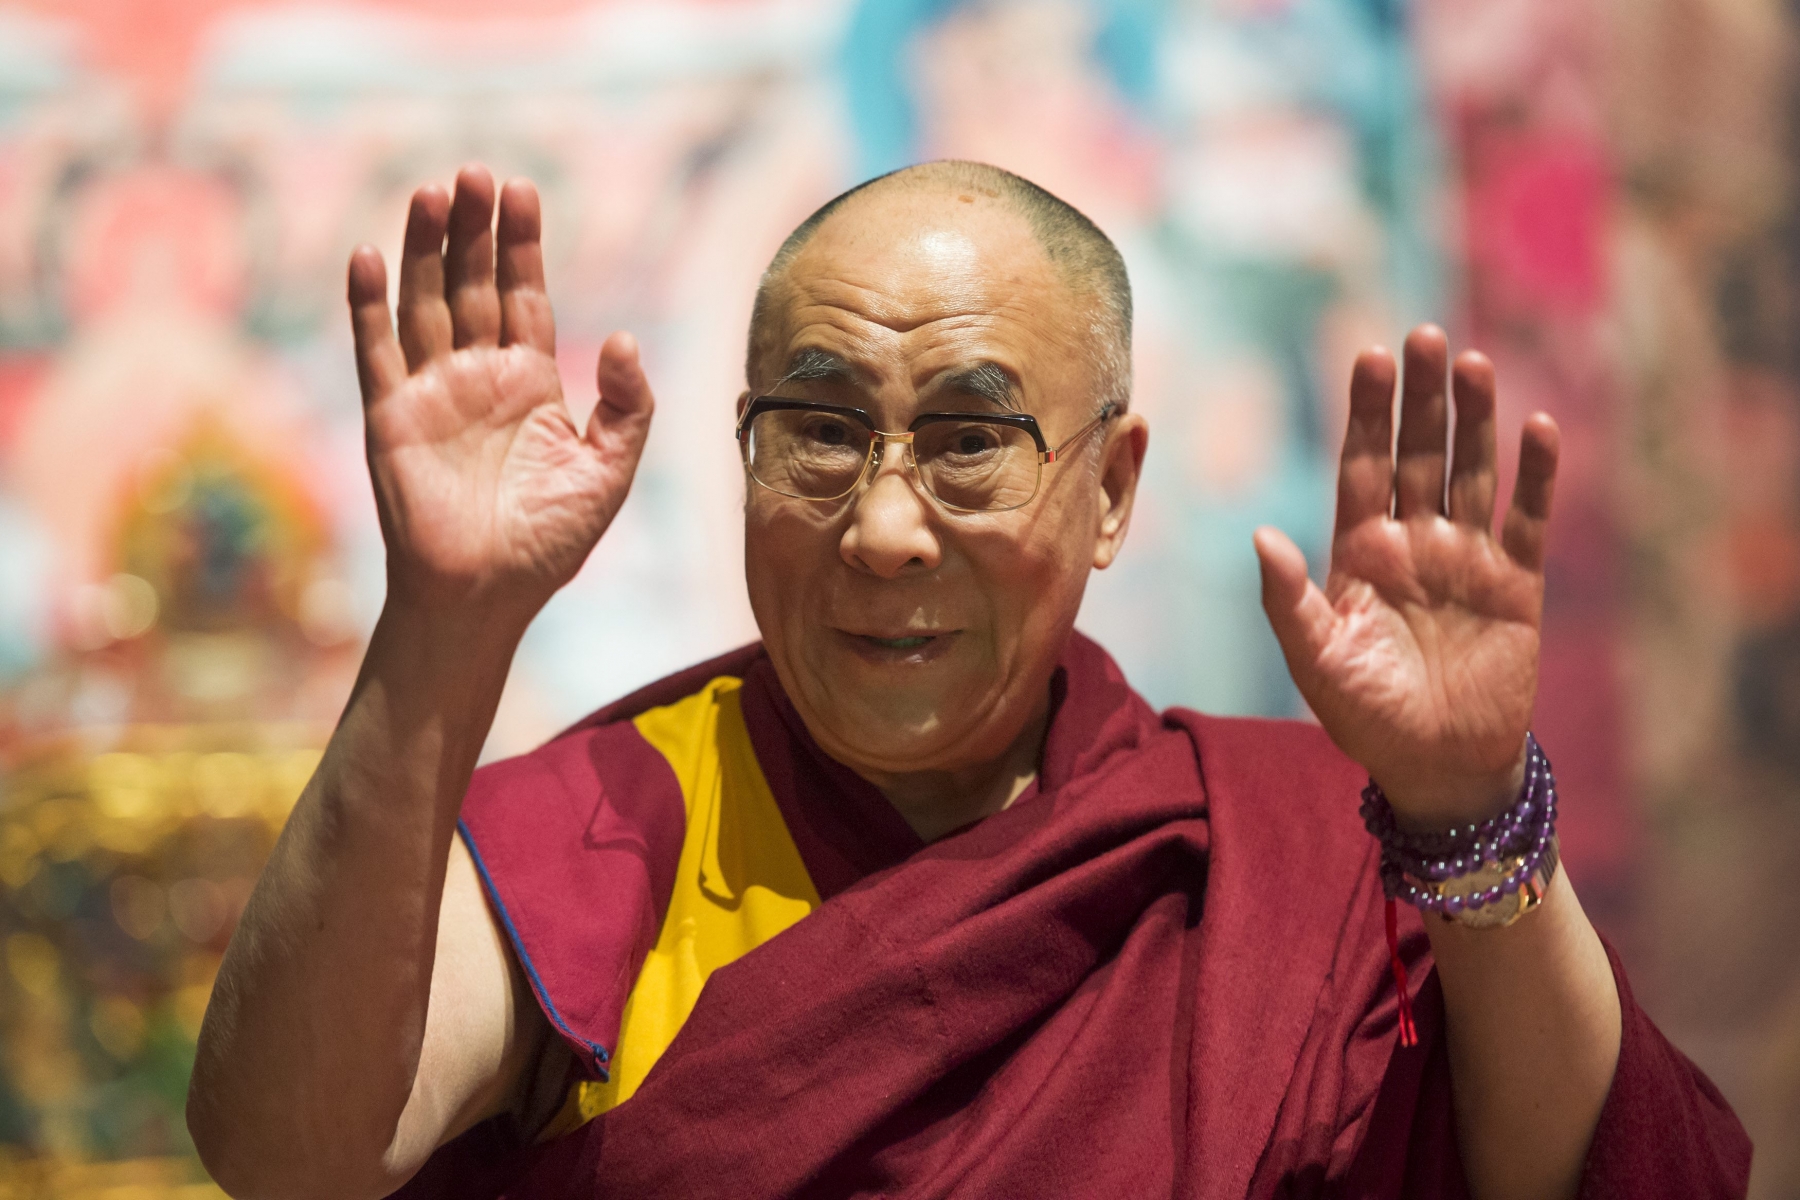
890	524
906	471
878	460
877	464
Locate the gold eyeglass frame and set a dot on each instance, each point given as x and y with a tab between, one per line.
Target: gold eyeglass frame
880	438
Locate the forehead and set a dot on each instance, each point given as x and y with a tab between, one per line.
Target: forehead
905	286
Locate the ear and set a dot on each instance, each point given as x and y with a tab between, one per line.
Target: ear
1121	463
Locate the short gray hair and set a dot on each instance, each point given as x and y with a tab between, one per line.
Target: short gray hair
1086	259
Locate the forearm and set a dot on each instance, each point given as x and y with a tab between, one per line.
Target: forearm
1533	1024
311	1044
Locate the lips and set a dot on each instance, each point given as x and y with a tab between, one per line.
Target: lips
891	647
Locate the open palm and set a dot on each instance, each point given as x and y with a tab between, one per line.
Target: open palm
488	492
1419	656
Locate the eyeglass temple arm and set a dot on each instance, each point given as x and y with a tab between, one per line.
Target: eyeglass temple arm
1051	456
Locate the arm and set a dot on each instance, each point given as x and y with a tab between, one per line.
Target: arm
335	1057
336	1054
1419	657
1532	1017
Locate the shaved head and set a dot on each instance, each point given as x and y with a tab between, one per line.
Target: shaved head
917	639
1084	258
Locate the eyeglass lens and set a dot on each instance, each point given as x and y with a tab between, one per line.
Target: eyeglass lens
967	464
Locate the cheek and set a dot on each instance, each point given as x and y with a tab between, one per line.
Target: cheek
1048	567
785	545
1059	541
1027	575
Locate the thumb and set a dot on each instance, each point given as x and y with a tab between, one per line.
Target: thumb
621	418
1298	611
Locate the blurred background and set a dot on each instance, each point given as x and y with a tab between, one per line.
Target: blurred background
1599	193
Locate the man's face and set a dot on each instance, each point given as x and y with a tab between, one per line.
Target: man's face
911	637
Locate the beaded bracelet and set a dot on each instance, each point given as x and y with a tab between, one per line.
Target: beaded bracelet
1415	867
1463	871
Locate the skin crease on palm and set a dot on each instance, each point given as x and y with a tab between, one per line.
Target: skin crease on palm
1419	655
908	288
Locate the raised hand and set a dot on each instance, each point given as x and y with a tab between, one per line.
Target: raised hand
1420	655
490	496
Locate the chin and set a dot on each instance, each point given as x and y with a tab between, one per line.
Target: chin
882	738
889	710
899	724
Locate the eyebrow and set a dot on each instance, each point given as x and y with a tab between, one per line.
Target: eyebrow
987	380
811	364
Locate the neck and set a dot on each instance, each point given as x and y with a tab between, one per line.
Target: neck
935	803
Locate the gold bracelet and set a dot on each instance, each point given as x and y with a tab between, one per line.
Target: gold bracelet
1508	908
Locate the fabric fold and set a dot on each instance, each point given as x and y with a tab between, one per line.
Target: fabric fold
1161	972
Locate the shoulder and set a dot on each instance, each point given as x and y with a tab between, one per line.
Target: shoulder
576	846
669	689
1276	767
555	820
1266	742
606	744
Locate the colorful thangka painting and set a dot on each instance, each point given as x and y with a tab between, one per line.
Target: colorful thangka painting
189	557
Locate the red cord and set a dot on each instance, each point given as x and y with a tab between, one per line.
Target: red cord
1409	1033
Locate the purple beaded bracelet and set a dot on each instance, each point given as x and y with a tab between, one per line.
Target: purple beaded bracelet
1414	866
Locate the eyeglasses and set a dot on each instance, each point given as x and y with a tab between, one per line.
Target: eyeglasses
968	462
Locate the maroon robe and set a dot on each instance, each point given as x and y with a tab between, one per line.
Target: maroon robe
1162	971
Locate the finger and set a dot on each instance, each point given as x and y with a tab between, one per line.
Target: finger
424	317
621	419
1298	611
380	366
1473	473
1366	468
1424	422
1523	534
469	260
524	305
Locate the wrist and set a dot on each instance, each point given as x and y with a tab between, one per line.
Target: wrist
419	714
443	667
1429	805
495	609
1507	857
464	636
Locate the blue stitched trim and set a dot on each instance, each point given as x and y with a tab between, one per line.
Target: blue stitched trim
601	1056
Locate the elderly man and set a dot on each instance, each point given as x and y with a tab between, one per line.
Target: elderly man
916	897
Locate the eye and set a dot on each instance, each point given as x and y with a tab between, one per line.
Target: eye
828	431
972	441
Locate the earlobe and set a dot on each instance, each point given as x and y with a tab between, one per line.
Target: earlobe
1111	539
1119	469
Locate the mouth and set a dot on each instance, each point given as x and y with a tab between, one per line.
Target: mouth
899	643
895	648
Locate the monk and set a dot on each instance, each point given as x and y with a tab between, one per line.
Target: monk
915	897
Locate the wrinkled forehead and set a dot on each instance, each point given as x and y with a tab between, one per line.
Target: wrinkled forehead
911	293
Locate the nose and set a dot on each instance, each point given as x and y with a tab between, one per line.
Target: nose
890	527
